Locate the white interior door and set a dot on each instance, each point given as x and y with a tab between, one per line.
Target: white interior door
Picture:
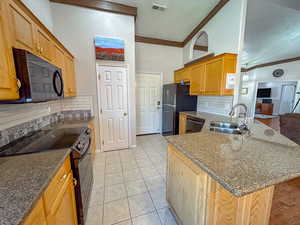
148	103
287	99
114	107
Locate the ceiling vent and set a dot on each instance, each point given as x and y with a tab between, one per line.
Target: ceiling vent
158	6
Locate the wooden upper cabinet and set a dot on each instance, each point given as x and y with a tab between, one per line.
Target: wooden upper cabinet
182	75
70	84
22	28
37	215
59	59
209	77
213	77
198	79
8	79
45	46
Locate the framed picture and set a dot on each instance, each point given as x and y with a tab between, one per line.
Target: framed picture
109	49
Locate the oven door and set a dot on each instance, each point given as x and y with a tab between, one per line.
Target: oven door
194	125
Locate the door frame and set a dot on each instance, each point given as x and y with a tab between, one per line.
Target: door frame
160	74
98	65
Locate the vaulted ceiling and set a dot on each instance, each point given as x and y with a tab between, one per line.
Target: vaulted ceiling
175	23
272	31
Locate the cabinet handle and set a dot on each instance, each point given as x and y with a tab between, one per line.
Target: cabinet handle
42	50
19	84
75	182
62	179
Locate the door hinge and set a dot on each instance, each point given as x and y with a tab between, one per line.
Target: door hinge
103	142
99	76
101	111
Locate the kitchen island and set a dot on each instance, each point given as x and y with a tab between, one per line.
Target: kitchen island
216	178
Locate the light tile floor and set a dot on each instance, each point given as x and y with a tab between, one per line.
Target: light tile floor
130	186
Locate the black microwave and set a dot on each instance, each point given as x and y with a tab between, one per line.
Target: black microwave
40	81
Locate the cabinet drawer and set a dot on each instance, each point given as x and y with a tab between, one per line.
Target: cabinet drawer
37	216
56	185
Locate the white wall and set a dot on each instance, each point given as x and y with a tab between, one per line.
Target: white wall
225	31
77	27
158	58
225	35
251	79
41	8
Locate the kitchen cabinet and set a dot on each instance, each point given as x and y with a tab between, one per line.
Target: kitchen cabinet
183	188
196	198
63	210
209	77
70	82
45	46
23	30
182	124
8	79
37	215
182	75
198	79
57	205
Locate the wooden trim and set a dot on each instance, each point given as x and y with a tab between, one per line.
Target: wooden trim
200	59
102	6
211	14
271	64
201	48
157	41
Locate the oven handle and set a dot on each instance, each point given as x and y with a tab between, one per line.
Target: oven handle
86	149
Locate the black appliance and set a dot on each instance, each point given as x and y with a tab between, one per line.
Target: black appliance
193	124
40	81
264	93
176	99
78	139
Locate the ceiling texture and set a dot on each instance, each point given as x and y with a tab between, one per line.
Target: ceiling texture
175	23
272	31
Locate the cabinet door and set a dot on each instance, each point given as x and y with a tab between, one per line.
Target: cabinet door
45	45
8	80
59	61
22	28
37	215
198	80
182	75
70	89
214	72
64	208
190	196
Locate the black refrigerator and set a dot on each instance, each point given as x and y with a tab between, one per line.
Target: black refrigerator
176	99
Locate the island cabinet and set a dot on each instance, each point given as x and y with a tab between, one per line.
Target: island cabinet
20	28
209	77
57	205
197	199
8	79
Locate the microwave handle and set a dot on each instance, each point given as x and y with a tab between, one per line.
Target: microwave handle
56	76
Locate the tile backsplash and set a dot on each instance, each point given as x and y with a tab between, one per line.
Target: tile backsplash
215	104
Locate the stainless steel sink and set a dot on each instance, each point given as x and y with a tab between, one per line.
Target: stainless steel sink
225	127
221	124
225	130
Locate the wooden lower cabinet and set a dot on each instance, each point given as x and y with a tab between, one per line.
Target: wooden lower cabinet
37	216
182	124
57	205
196	199
63	210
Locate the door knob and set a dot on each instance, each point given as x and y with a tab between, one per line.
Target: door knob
125	114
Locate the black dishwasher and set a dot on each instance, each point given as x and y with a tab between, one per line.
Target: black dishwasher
194	124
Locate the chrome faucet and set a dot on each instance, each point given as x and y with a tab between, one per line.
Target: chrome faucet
243	127
241	115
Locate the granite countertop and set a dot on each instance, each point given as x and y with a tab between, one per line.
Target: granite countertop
24	178
241	164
